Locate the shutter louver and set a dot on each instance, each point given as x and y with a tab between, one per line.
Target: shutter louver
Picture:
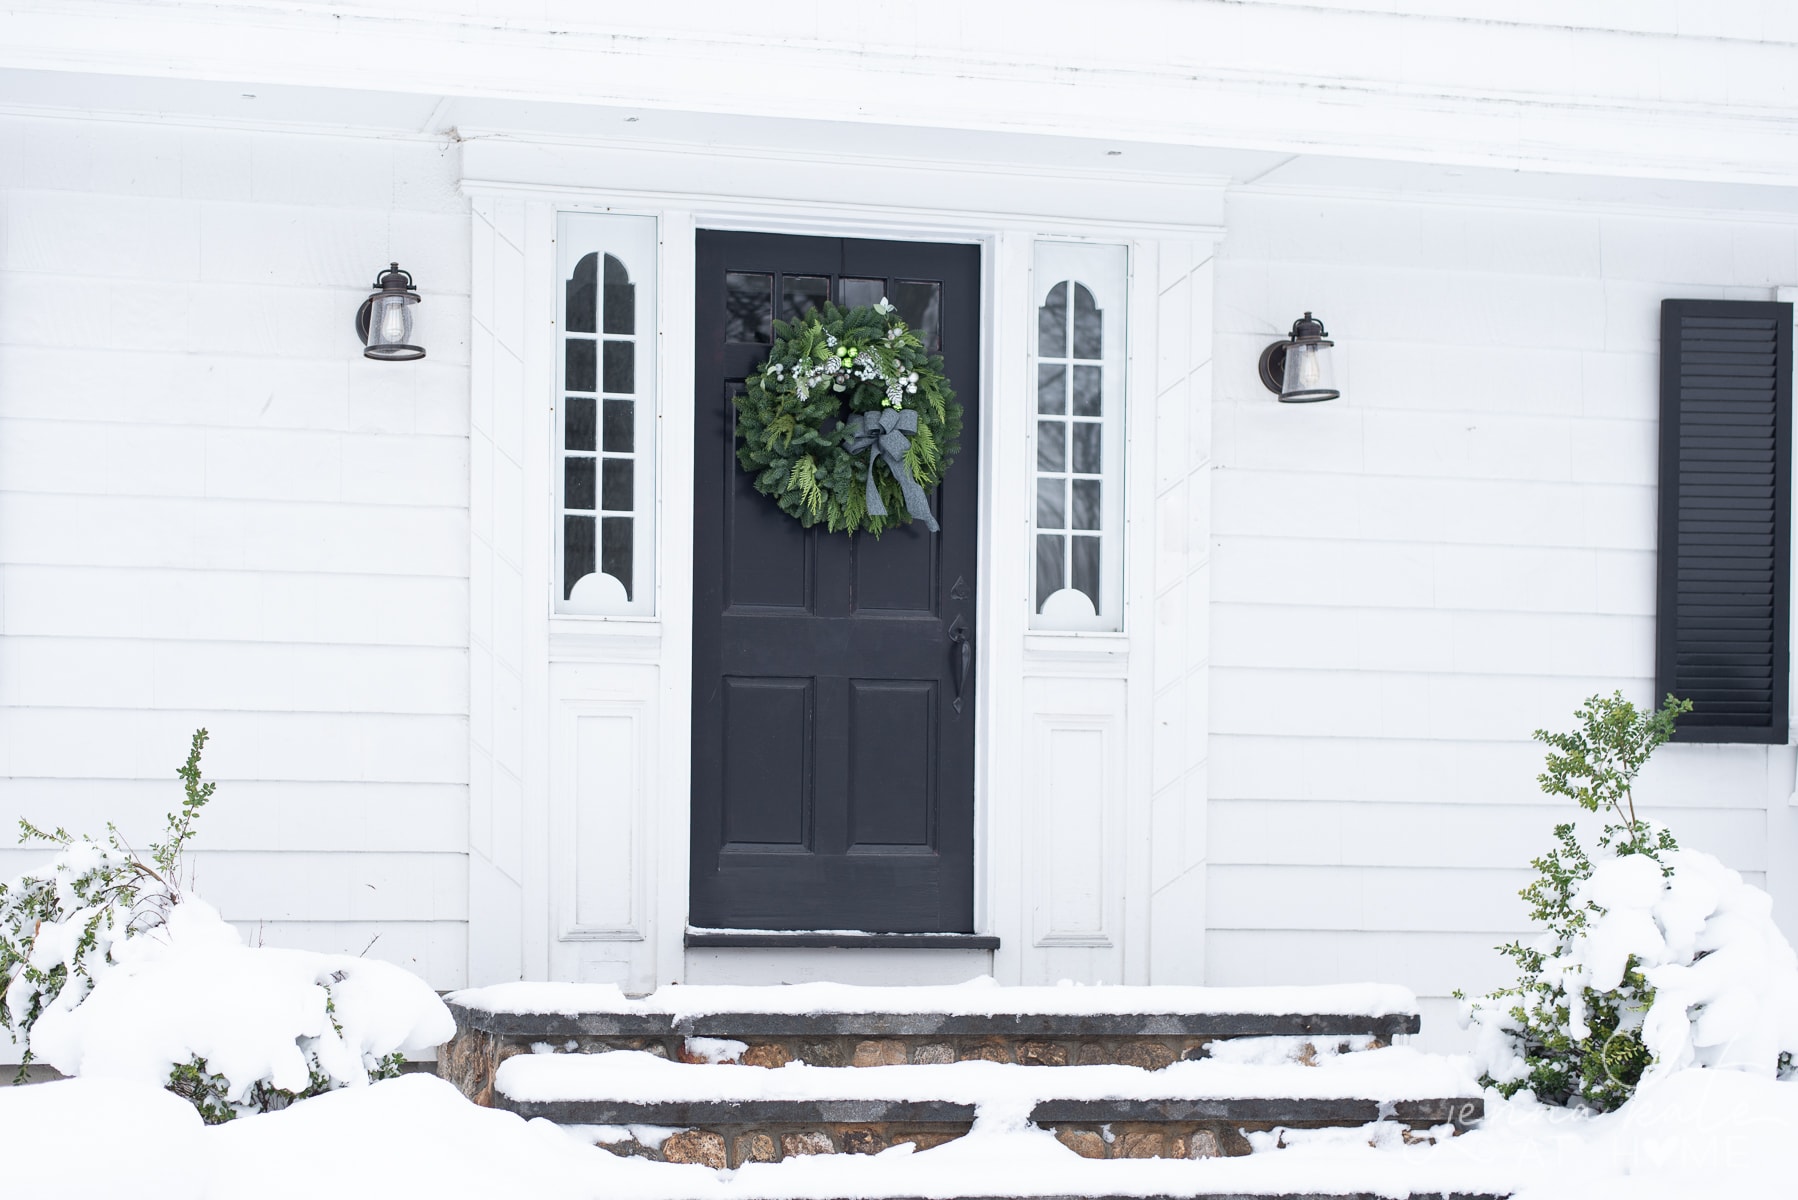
1725	520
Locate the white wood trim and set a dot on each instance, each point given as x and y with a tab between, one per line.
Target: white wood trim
646	662
674	557
1142	431
540	282
1004	603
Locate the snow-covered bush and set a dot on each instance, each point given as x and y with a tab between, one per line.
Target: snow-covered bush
1654	958
241	1029
109	968
58	926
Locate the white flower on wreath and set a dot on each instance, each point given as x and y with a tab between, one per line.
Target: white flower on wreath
883	308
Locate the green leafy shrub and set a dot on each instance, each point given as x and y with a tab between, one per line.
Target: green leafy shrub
58	927
1551	1032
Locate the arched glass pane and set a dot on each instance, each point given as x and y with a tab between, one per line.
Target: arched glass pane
621	299
582	294
1088	341
1052	324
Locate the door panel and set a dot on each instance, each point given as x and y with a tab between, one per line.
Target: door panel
833	776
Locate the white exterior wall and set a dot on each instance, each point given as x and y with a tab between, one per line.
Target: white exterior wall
1344	619
1410	580
214	511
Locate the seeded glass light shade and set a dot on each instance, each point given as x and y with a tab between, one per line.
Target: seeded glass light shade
1297	368
385	320
1309	376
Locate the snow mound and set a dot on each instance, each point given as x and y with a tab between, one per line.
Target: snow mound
189	989
411	1136
51	1132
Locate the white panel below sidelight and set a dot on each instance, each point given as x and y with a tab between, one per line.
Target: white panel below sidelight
605	791
1074	805
601	827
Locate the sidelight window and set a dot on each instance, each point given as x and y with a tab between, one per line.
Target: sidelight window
606	410
1077	500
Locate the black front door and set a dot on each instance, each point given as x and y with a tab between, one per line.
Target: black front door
833	767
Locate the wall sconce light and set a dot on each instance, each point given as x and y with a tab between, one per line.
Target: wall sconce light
1298	368
384	322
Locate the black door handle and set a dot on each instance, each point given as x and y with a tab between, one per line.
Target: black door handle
961	659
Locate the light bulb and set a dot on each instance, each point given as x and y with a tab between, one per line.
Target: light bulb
393	322
1308	370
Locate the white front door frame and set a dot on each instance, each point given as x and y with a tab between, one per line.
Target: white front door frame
639	669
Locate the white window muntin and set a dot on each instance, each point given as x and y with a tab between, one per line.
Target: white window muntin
1078	377
605	426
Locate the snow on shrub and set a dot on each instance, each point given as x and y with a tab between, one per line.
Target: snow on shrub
110	969
1655	958
58	926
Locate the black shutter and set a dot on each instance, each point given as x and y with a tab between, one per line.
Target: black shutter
1725	535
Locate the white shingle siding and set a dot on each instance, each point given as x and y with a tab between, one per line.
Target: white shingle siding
1410	580
214	511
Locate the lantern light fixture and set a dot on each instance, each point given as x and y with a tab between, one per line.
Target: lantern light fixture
1298	368
384	322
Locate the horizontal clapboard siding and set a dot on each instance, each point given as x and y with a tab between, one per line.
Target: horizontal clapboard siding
244	526
1725	524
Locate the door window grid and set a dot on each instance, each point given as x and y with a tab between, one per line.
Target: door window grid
606	398
1077	436
1069	444
599	458
749	302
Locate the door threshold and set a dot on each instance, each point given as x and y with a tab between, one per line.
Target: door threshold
835	939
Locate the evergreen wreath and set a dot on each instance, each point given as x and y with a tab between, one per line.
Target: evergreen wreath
847	411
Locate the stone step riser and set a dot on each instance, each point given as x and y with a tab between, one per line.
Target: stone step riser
731	1146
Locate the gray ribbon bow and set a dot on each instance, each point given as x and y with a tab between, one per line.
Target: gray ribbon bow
886	434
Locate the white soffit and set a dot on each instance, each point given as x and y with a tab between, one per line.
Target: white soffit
541	126
1314	173
1702	99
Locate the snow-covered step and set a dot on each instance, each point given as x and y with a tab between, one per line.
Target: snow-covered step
841	1025
725	1115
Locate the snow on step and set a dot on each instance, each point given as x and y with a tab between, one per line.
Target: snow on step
976	998
838	1025
732	1116
1391	1074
